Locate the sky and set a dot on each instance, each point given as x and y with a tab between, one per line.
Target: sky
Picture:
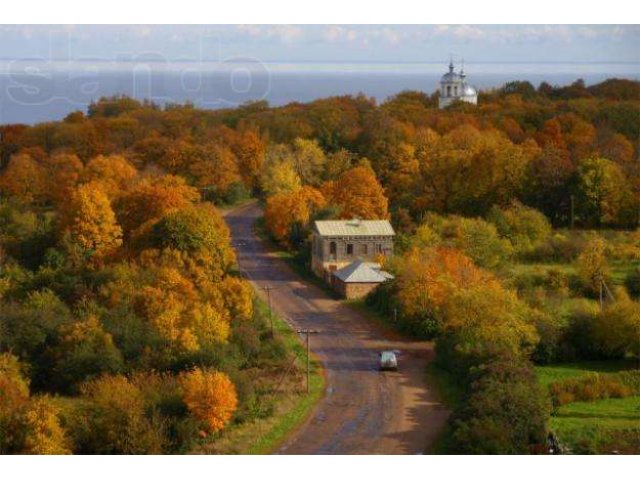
325	43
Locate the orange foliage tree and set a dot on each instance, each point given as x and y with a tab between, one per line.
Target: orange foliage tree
283	211
357	193
23	179
151	198
210	396
63	174
428	276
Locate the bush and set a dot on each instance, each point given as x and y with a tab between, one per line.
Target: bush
525	227
112	418
557	248
616	330
595	387
236	192
592	265
578	335
632	282
475	237
210	396
506	412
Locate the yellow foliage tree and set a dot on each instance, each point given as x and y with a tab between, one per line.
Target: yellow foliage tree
14	395
279	174
113	172
592	264
284	210
91	222
210	396
44	435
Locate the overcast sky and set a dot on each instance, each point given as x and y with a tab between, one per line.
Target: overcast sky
328	43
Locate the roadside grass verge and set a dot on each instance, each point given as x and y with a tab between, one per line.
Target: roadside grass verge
301	403
291	404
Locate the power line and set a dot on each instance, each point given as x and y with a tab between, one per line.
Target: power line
268	289
308	332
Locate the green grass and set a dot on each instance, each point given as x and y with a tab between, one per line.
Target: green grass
286	421
600	427
292	404
553	373
594	427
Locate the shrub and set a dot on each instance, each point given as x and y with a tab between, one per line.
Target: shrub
596	386
14	396
475	237
112	418
592	265
506	412
84	352
557	248
236	192
616	330
578	335
525	227
210	396
632	282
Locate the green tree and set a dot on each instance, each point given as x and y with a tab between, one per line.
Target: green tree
603	191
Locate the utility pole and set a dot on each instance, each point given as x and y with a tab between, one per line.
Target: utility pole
268	289
307	332
601	282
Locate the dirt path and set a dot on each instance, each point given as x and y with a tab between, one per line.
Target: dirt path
364	411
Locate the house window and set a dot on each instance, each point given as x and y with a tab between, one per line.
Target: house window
379	247
350	249
332	249
448	90
455	91
364	249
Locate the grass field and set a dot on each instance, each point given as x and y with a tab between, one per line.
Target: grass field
602	426
554	373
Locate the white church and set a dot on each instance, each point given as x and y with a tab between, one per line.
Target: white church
454	86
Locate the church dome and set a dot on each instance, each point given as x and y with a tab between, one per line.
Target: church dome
451	77
469	91
454	87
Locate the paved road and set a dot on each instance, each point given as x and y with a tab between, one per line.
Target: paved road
364	411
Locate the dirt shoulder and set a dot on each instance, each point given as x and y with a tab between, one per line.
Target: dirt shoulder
364	411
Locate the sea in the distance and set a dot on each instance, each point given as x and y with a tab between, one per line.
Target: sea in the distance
33	91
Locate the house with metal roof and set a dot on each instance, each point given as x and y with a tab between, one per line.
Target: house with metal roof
358	278
339	243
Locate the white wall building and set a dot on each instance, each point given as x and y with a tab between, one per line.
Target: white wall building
454	86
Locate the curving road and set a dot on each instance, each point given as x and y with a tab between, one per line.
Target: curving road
364	411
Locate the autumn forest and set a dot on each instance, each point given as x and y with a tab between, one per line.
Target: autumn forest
517	249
